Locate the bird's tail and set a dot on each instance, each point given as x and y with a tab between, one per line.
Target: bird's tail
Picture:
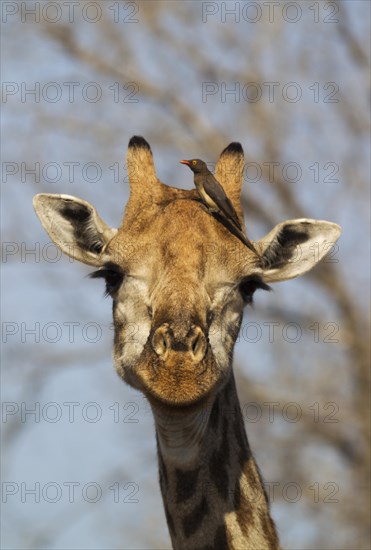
232	228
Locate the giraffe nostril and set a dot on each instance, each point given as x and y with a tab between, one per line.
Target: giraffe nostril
195	344
161	341
198	344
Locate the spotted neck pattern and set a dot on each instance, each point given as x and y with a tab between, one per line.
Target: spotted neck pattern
212	490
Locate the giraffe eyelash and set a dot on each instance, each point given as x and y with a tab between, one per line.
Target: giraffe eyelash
113	279
248	286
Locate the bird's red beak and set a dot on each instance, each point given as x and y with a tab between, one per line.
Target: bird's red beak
185	162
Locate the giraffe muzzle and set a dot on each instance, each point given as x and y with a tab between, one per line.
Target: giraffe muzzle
166	342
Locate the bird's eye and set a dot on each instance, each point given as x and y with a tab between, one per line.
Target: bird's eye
194	162
112	277
249	285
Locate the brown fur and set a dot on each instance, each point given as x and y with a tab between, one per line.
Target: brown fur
181	280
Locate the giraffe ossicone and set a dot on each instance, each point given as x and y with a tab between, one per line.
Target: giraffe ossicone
179	281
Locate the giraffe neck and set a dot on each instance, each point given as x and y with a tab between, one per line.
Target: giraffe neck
211	487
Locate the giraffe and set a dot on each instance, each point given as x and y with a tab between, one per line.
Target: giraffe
179	281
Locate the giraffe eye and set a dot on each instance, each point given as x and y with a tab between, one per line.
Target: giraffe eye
249	285
194	162
112	277
247	290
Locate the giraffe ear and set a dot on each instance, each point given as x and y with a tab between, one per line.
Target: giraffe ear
294	247
74	226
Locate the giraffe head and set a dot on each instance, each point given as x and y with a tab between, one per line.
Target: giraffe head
179	280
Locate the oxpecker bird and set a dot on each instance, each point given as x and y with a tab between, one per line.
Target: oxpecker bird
211	192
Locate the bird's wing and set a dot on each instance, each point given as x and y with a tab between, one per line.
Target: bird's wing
217	194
